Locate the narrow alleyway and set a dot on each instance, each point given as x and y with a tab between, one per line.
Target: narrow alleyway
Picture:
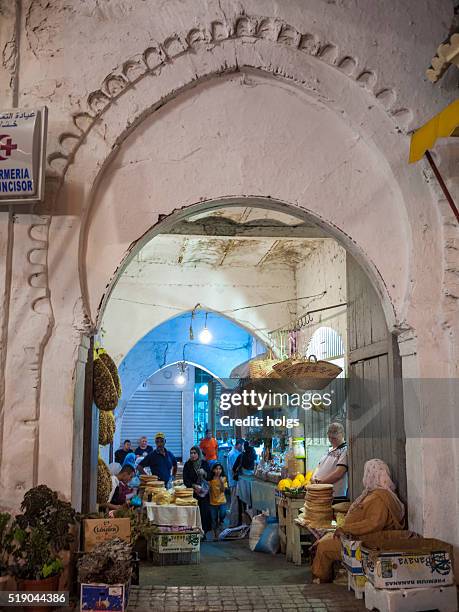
228	564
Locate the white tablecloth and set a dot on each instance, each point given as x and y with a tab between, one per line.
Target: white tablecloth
173	515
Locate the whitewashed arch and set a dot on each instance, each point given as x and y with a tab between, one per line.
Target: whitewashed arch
144	84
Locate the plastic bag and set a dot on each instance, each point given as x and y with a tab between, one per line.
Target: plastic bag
256	529
269	540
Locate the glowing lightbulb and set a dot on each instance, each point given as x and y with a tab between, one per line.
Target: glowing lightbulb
203	390
205	336
180	380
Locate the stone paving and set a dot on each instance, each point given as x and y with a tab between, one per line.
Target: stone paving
311	597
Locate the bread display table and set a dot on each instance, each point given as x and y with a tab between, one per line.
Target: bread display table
170	514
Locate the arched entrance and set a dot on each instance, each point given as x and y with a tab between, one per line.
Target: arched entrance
339	133
211	220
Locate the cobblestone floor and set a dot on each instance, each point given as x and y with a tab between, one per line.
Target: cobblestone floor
313	598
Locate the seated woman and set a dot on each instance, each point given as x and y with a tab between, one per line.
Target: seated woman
377	509
196	473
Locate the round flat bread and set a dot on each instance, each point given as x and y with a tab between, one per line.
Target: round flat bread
319	487
316	508
319	512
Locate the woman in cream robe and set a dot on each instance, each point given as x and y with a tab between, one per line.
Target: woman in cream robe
377	509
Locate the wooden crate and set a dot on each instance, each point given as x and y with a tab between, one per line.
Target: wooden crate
289	532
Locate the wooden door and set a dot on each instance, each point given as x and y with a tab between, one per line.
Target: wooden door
375	423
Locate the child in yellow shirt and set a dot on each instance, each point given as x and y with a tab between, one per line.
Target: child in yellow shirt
217	486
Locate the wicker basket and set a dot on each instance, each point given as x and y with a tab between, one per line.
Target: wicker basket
318	374
261	368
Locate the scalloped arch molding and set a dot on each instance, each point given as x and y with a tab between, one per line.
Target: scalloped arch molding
244	28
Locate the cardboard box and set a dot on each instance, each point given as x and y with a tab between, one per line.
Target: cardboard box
351	556
351	553
411	600
400	563
97	531
107	597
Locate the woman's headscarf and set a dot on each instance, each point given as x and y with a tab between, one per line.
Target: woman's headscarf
376	475
129	460
196	464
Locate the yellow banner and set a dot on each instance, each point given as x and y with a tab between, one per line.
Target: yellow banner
440	126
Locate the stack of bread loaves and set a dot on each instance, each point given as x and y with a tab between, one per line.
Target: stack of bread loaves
184	497
318	510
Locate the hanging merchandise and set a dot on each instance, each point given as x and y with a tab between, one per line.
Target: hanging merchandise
299	451
106	427
111	365
104	482
104	389
309	372
262	367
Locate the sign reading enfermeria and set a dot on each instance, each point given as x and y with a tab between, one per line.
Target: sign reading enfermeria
22	155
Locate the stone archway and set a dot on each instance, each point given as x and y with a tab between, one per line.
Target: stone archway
293	65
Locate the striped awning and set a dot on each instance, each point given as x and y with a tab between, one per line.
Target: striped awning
443	125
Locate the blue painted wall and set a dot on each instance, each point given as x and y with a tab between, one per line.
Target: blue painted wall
169	343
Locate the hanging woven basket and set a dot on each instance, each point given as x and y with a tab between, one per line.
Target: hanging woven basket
309	372
261	368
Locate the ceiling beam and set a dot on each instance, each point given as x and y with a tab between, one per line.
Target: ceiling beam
261	228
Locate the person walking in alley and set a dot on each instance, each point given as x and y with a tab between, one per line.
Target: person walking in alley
196	473
234	511
218	485
161	462
144	448
120	454
209	447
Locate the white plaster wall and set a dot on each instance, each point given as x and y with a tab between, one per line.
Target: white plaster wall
325	270
164	291
352	175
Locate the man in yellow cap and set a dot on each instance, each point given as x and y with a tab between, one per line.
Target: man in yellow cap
160	461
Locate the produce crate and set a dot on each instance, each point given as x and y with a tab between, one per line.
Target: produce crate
175	548
396	563
178	558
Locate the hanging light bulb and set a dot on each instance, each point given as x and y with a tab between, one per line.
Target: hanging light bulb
180	379
205	336
204	389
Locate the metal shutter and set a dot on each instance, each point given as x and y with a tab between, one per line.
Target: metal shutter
148	412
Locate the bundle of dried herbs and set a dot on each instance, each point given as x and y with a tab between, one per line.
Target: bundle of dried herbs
104	482
109	563
106	427
104	390
111	366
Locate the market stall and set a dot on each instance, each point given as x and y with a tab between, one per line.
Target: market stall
170	514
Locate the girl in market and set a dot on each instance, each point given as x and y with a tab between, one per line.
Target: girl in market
196	473
218	486
377	509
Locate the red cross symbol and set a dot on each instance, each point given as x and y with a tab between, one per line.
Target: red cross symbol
8	146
